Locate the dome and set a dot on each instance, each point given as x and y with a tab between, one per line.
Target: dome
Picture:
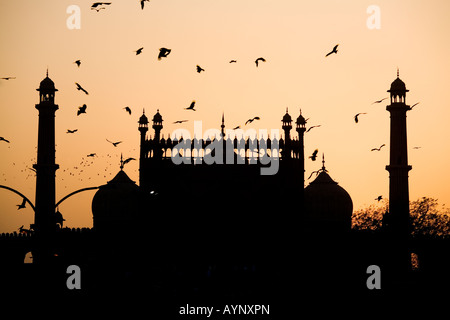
157	117
118	204
301	120
47	85
143	119
287	117
328	205
398	86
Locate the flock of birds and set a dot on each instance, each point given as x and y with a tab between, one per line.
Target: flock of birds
164	53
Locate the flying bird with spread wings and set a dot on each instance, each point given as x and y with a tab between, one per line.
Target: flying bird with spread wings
114	143
191	106
313	127
379	101
22	205
415	104
3	139
332	51
96	4
258	60
128	160
233	61
91	155
79	87
163	53
71	131
78	63
127	109
378	149
81	109
251	120
7	78
180	121
356	116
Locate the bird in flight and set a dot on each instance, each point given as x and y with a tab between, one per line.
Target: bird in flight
259	59
333	51
128	160
200	69
71	131
79	87
180	121
91	155
415	104
127	109
81	109
142	3
379	101
237	127
413	147
98	9
22	205
139	51
316	172
191	106
251	120
313	127
378	149
356	116
314	155
7	78
114	143
233	61
3	139
78	62
163	53
379	198
96	4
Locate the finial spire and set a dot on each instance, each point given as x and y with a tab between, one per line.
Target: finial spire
121	161
323	162
47	71
398	72
143	110
286	109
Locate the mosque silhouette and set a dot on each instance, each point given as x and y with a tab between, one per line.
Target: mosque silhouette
220	230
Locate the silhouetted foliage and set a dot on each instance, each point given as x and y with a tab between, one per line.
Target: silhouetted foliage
427	218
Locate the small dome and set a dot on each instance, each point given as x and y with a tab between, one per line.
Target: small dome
398	86
143	119
47	85
300	120
117	205
287	117
327	204
157	117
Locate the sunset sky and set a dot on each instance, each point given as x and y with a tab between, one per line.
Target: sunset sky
293	36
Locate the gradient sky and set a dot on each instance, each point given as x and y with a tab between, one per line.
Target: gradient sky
293	36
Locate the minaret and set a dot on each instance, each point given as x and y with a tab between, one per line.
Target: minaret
44	221
397	220
301	128
398	165
287	126
157	126
143	128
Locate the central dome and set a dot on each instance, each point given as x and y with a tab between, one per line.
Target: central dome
327	204
118	204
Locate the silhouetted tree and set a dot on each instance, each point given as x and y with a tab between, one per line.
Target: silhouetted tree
427	218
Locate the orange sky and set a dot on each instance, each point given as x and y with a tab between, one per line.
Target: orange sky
293	36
